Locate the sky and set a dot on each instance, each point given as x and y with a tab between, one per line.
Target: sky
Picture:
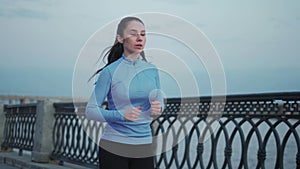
257	42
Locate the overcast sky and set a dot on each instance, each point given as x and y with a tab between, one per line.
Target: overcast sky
257	41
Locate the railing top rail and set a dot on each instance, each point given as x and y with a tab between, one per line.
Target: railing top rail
10	106
266	96
242	97
69	104
70	107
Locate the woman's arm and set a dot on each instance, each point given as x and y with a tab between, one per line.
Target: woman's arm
94	110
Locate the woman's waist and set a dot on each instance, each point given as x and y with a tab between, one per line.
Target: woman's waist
129	128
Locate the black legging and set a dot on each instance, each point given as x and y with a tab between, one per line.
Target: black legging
114	155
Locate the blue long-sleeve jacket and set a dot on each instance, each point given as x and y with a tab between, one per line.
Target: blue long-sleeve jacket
125	84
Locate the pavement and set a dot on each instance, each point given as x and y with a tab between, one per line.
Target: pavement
5	166
11	160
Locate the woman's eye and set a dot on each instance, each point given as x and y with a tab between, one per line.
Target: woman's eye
136	34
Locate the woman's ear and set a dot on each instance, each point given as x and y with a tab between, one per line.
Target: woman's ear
120	39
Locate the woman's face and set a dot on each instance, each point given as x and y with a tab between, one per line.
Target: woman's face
134	38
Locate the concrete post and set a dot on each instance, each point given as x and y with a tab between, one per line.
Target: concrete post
2	125
43	145
24	100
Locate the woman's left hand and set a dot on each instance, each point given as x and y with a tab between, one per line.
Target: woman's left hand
155	107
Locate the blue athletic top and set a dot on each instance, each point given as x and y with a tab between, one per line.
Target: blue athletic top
125	83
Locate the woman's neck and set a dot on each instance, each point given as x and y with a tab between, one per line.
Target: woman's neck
132	56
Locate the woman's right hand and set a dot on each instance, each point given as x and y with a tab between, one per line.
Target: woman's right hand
132	114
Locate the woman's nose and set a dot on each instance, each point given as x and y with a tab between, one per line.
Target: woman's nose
138	38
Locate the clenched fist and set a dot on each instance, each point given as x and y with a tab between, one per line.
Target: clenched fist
132	114
155	108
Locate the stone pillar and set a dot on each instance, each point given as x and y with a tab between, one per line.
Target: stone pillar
2	125
43	145
24	100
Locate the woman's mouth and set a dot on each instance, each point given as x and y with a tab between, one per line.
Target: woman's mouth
139	46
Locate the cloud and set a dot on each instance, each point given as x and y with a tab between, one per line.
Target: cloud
23	9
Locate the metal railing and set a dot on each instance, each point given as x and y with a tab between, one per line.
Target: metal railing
19	126
71	141
245	131
240	131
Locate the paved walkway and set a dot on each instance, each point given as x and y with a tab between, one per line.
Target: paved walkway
11	160
5	166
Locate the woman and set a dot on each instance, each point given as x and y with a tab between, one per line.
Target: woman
132	89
